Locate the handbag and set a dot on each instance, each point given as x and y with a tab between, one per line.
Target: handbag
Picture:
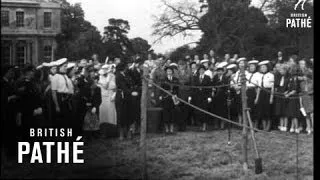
91	121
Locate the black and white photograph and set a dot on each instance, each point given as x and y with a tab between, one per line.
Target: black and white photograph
157	89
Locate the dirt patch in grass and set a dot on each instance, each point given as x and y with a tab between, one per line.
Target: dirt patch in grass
186	155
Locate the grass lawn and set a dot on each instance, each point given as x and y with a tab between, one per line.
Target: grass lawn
187	155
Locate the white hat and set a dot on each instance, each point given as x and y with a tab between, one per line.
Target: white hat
71	65
174	64
241	59
222	65
45	64
253	62
264	62
60	61
39	67
230	66
204	61
105	69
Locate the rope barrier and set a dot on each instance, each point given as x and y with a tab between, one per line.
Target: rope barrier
194	87
278	94
219	117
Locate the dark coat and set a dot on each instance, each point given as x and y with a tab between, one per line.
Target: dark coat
167	102
221	95
123	99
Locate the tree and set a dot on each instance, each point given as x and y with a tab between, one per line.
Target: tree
181	52
78	38
180	18
140	46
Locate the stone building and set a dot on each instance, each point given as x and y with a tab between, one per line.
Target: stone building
28	31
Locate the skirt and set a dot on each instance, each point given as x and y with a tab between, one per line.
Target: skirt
264	108
280	105
251	96
307	103
293	108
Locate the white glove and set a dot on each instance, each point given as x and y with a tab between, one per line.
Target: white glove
189	99
160	98
40	110
37	111
134	93
93	110
88	104
209	100
152	94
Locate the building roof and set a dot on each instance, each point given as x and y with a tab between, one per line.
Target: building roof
31	3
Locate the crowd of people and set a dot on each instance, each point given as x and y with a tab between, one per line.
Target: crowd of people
87	95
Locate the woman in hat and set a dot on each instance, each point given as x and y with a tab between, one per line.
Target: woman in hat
264	98
62	90
280	102
30	104
220	98
305	77
108	113
207	72
202	96
292	93
252	82
93	101
123	97
168	102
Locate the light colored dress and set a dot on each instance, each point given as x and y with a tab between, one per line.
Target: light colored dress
108	113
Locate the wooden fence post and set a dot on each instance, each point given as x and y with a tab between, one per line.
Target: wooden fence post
244	118
143	129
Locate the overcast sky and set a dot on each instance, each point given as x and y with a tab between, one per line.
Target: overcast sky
138	13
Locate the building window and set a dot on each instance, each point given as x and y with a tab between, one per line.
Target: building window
4	18
20	19
47	53
47	19
20	54
5	52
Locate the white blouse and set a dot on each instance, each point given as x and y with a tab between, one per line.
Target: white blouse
266	80
62	84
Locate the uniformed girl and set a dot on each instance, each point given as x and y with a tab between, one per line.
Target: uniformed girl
62	90
252	82
236	85
169	103
264	98
280	102
231	70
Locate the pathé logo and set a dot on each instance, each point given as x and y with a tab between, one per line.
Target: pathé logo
302	2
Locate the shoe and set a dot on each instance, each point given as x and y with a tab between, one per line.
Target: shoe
308	131
280	128
291	130
285	129
297	131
